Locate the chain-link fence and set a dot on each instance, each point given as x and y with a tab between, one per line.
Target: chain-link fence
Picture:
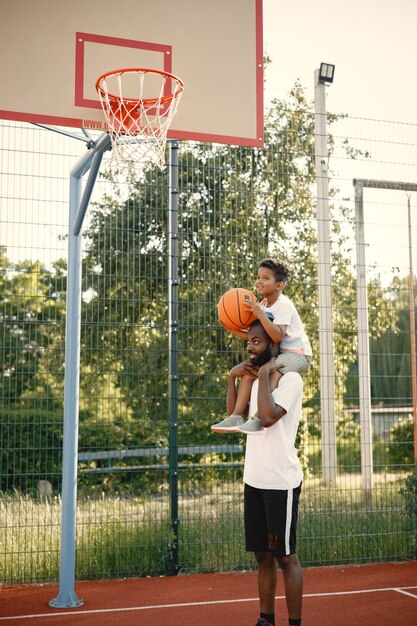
158	492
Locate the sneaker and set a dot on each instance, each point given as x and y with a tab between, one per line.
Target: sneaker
253	426
229	424
262	622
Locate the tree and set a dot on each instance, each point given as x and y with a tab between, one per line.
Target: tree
391	351
32	346
29	311
236	206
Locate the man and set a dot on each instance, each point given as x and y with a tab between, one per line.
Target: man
272	476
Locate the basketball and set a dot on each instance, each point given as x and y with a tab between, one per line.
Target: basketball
232	311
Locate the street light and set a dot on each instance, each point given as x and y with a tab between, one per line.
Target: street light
326	73
327	374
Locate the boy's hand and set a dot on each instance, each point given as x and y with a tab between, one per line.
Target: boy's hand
254	307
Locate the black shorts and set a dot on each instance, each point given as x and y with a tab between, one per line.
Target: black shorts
271	520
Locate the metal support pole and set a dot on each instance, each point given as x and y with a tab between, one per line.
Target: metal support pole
173	350
412	326
364	368
67	597
327	399
85	200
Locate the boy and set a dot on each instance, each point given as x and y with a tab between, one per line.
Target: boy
286	329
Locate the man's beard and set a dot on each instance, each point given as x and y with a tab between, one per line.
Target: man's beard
262	358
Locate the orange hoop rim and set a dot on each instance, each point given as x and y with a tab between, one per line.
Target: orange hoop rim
145	70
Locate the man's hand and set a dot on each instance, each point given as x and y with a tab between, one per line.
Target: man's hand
244	369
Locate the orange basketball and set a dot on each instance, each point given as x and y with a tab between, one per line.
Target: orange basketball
232	311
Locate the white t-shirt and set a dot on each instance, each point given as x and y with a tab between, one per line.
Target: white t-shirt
284	312
271	460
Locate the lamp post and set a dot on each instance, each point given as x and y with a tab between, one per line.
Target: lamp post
323	77
326	73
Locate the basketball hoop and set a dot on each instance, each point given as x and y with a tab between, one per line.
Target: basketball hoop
138	123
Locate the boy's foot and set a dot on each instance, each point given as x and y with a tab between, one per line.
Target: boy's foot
229	424
262	622
253	426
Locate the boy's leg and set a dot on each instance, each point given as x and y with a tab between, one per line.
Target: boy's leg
235	420
292	362
274	377
243	395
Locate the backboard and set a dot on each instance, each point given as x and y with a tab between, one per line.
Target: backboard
52	52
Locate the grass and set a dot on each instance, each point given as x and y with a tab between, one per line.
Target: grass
128	537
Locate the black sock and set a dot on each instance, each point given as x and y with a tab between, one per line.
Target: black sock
294	622
269	617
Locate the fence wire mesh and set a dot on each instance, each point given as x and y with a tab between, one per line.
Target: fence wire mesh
236	206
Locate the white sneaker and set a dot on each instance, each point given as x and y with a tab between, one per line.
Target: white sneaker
253	426
229	424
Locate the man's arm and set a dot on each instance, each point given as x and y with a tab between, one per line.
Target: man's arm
268	412
239	333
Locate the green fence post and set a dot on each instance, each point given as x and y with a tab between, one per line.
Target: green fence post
173	350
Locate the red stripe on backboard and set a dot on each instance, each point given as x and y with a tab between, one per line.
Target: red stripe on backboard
36	118
259	74
73	122
79	69
81	38
231	140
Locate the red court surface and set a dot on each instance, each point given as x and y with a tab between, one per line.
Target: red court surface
383	594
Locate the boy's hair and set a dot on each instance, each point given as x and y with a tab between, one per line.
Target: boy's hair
282	271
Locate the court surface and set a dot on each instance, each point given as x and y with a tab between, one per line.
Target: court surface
382	594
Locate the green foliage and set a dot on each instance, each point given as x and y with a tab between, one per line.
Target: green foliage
401	448
32	316
391	365
390	345
133	536
113	551
236	206
409	492
31	448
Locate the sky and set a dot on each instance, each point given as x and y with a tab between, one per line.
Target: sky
372	43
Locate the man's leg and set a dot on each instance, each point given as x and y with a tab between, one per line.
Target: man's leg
267	581
293	582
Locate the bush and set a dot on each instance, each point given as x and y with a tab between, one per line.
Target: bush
31	448
401	448
409	491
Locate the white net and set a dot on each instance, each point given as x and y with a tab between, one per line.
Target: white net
139	105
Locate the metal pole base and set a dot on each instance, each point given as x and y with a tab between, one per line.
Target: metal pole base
66	601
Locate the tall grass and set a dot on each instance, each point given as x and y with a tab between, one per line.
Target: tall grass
128	537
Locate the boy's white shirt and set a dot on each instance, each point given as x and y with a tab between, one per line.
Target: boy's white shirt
285	312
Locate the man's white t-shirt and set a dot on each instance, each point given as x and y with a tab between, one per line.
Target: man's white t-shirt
285	313
271	460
